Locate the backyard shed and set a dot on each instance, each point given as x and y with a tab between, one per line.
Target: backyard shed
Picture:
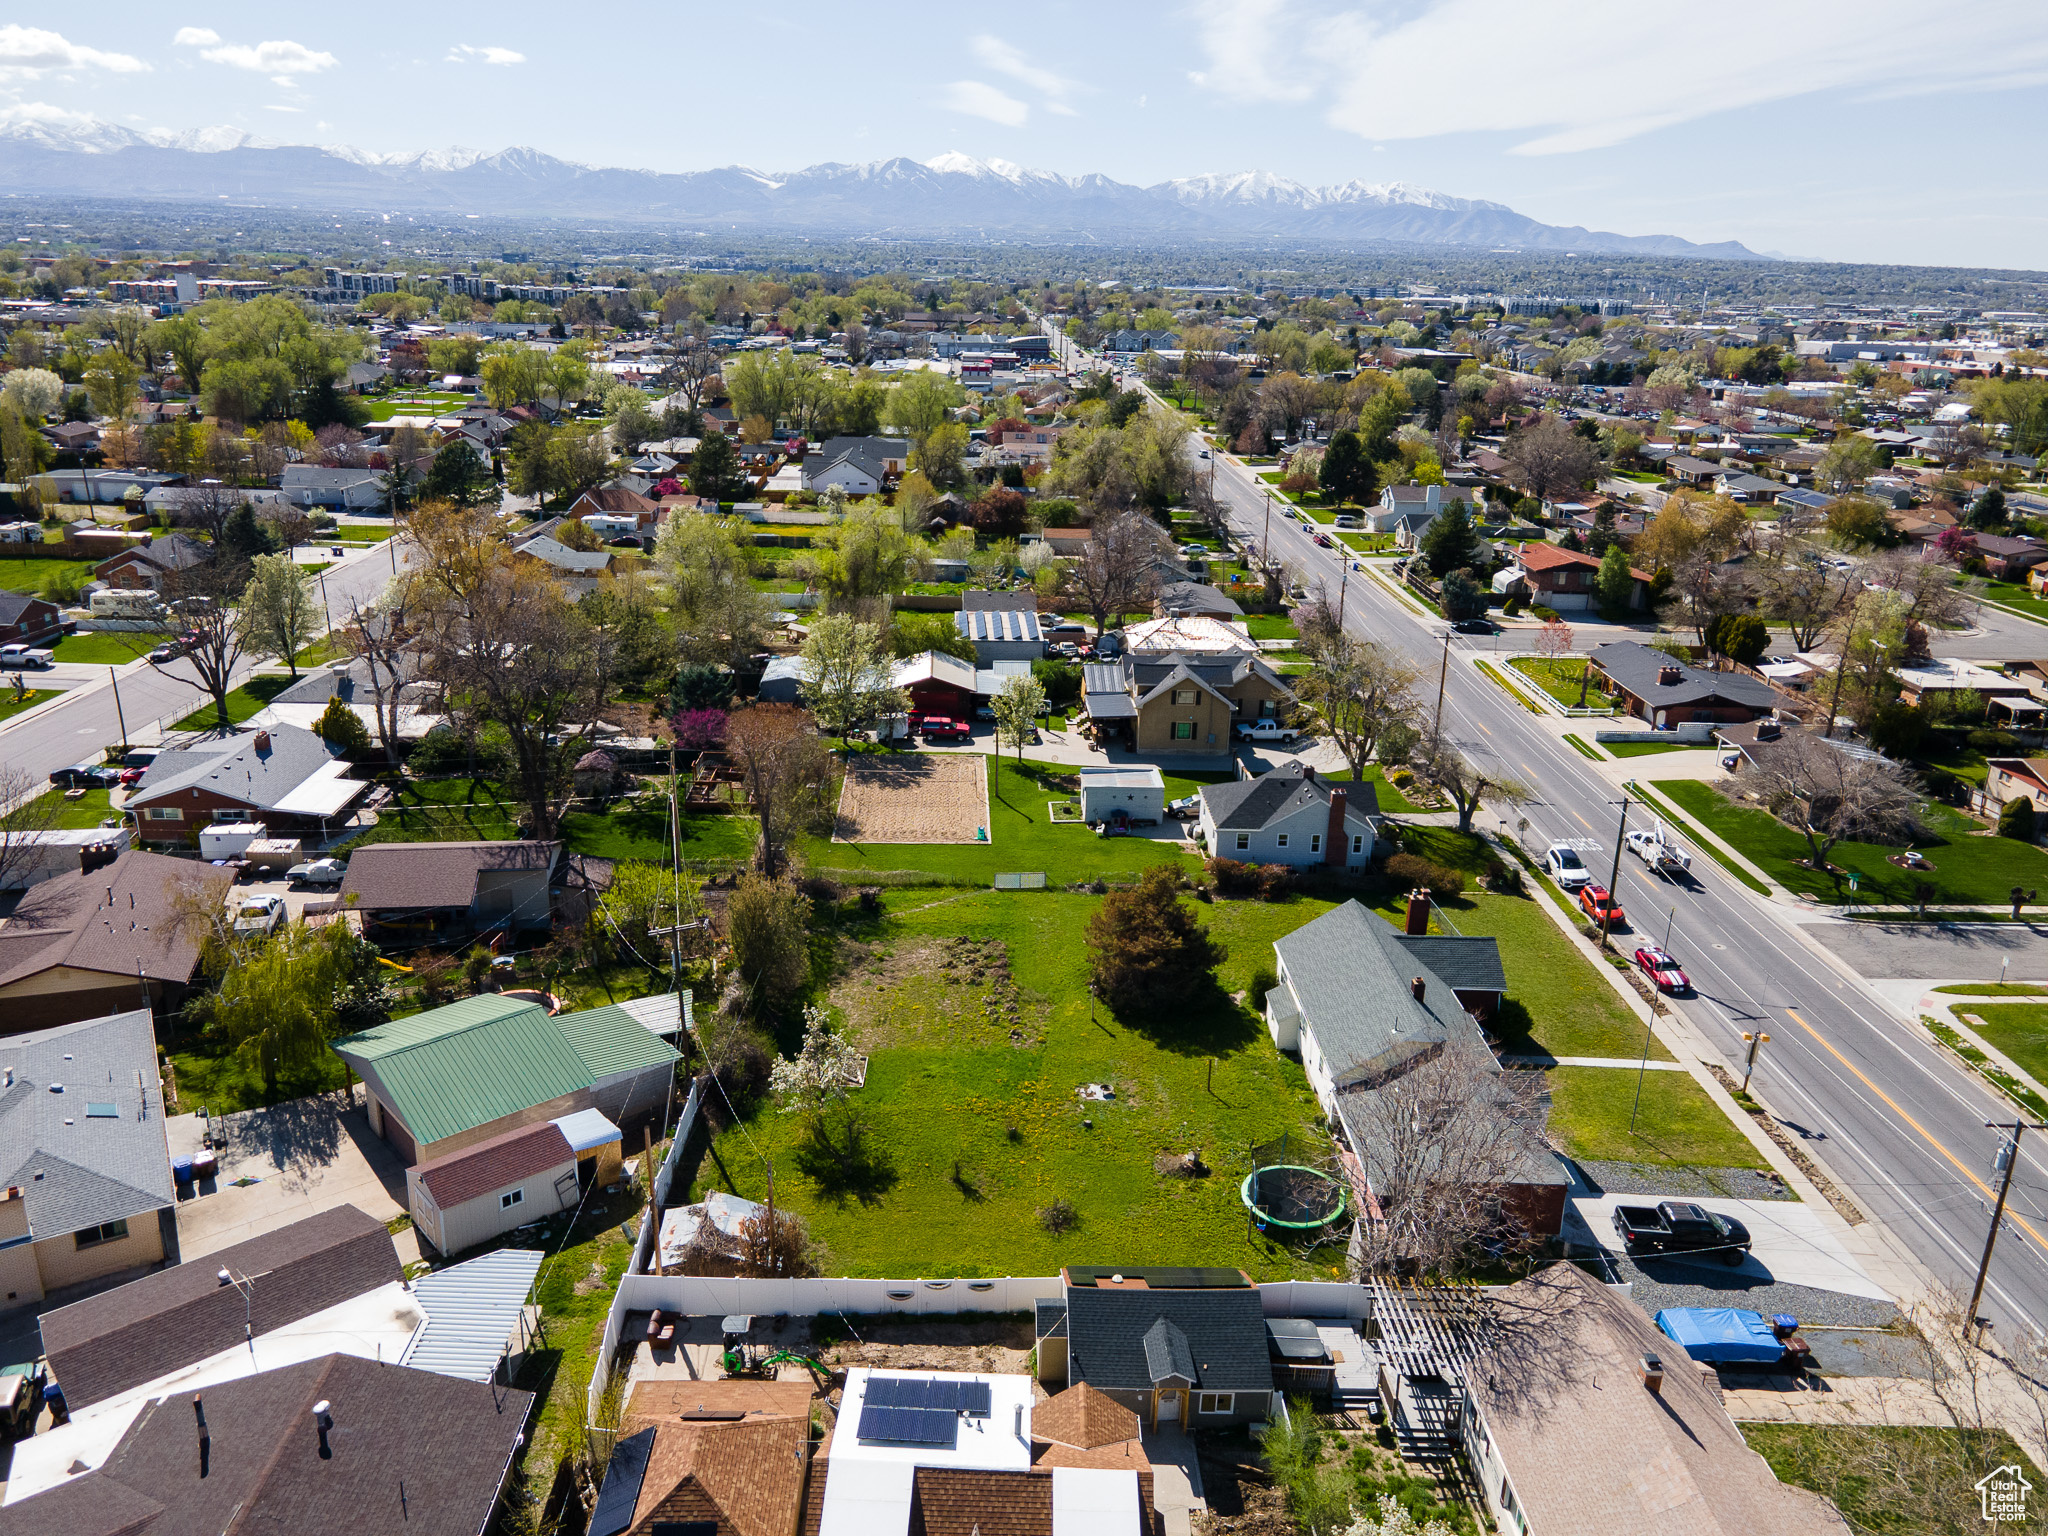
525	1175
1140	793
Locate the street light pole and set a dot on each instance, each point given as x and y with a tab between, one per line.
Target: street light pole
2011	1153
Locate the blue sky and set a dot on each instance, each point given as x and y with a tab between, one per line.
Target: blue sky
1861	130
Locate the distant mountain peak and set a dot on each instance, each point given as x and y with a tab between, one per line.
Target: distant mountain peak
51	150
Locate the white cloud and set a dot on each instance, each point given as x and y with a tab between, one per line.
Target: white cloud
1004	58
275	58
1377	68
195	37
29	53
462	53
271	106
46	113
977	99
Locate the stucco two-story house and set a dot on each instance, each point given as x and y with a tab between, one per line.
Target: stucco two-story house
1175	702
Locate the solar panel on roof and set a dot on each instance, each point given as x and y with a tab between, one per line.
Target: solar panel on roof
975	1399
908	1426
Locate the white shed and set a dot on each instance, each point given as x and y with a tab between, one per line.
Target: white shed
524	1175
1140	793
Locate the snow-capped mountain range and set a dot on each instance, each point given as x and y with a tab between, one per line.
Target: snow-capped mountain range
951	196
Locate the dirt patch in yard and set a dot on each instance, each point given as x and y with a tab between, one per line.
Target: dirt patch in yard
914	798
982	1345
958	990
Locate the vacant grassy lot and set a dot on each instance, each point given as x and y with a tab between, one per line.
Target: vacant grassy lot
1893	1480
1021	836
1970	865
35	575
210	1075
1678	1123
243	703
114	648
2020	1030
1561	680
972	1130
1647	748
456	810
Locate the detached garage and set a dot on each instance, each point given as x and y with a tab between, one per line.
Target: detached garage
1140	793
471	1196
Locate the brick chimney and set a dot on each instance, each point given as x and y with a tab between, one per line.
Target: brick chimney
1653	1374
1417	988
1334	840
1669	675
1308	773
1418	914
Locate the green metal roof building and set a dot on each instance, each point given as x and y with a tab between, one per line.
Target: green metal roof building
442	1080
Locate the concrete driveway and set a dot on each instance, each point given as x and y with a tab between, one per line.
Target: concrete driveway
1789	1242
302	1157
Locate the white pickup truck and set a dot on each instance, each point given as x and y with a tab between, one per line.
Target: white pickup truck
16	657
1660	853
1264	730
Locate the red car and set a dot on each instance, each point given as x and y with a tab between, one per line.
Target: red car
130	777
1324	540
1602	907
940	728
1662	970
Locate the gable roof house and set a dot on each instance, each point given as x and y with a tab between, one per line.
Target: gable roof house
85	1173
578	568
1591	1384
524	1175
1560	578
860	466
26	619
1185	1346
616	501
315	485
1365	1004
82	945
451	888
1291	816
1180	703
396	1449
727	1458
287	778
305	701
451	1077
148	563
1666	691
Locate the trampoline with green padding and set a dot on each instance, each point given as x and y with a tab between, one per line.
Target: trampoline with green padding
1291	1198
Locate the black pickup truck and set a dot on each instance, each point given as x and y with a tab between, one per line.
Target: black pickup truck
1677	1226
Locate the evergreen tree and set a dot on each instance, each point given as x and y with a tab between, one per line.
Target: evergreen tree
715	469
1616	583
1450	543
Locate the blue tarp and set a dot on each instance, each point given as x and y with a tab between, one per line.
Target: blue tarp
1722	1335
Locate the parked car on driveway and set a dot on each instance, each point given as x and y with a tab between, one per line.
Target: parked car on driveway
1264	730
1679	1226
1186	808
941	728
1565	866
258	914
317	872
1599	904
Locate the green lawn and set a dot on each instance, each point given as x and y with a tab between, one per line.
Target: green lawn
1995	989
2017	597
2020	1030
88	810
632	832
1557	1000
34	575
1560	679
1390	799
1895	1480
416	405
971	1135
1271	626
114	648
212	1077
1021	836
10	705
243	702
454	810
1678	1123
1647	748
1969	866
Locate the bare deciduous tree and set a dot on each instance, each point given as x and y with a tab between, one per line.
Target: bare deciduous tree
200	613
1805	596
26	812
1550	460
1356	690
1440	1144
1118	570
1826	793
1465	782
789	774
382	640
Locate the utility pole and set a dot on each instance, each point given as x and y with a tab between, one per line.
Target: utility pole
1614	879
1436	731
1343	587
2010	1152
119	714
1755	1042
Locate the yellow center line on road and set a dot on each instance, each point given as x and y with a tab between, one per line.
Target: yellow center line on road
1828	1046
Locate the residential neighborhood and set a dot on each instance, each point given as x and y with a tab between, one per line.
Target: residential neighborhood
719	880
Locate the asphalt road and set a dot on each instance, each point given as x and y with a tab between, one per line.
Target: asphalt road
87	718
1891	1121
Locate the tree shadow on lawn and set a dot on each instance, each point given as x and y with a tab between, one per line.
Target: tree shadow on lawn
1211	1023
844	1161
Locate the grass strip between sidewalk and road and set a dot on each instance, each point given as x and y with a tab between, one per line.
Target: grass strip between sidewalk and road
1986	1068
1520	697
1583	747
1711	849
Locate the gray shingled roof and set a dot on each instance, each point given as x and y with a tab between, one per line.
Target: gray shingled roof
1351	973
1250	804
1636	668
258	768
76	1168
1166	1353
419	876
1222	1331
1023	600
70	920
1470	965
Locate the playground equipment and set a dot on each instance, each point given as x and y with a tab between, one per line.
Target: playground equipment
1292	1194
